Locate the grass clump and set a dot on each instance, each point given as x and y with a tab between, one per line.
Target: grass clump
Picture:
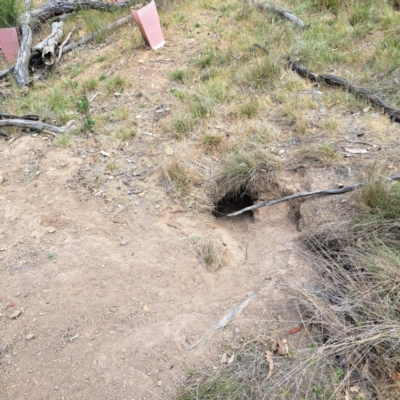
90	84
176	179
179	75
115	83
318	155
182	125
113	166
244	172
212	142
249	109
10	10
209	255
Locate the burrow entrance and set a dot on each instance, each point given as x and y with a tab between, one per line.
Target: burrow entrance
232	202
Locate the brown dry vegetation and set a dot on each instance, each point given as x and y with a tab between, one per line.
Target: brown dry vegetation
165	143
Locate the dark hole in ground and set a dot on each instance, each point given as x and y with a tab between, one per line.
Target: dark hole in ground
234	202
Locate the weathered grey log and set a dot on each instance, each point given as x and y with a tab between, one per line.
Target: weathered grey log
48	45
35	125
285	14
324	192
333	80
21	72
88	38
54	8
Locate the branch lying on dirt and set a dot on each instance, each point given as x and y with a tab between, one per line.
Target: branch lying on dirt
48	45
224	321
21	72
29	117
285	14
332	80
88	38
36	125
325	192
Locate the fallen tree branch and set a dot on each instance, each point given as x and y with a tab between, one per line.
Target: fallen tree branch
36	125
285	14
53	8
88	38
325	192
21	72
48	45
332	80
30	117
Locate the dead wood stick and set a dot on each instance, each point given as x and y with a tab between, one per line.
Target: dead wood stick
53	8
224	321
332	80
286	14
48	45
325	192
21	72
35	125
65	42
30	117
88	38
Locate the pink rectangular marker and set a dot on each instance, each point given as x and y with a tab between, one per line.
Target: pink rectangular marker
9	43
149	24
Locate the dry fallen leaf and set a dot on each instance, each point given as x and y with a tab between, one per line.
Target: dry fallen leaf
230	361
358	392
223	359
395	375
169	151
294	330
268	354
280	347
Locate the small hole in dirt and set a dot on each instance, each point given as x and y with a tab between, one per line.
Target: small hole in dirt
234	202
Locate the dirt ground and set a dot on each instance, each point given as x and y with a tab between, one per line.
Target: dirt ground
115	301
103	269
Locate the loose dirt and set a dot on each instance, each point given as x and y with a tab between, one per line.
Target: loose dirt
114	301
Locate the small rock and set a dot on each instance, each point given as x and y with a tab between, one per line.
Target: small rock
141	194
15	314
55	387
146	309
51	229
159	383
2	179
30	336
117	94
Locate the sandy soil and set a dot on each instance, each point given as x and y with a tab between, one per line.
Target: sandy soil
115	301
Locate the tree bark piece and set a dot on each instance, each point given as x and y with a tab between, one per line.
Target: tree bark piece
332	80
48	46
21	72
35	125
325	192
285	14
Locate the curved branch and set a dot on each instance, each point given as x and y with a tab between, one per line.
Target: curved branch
54	8
332	80
326	192
35	125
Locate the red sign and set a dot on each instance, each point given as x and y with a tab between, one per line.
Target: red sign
9	43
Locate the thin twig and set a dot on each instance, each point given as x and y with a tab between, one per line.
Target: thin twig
325	192
64	43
